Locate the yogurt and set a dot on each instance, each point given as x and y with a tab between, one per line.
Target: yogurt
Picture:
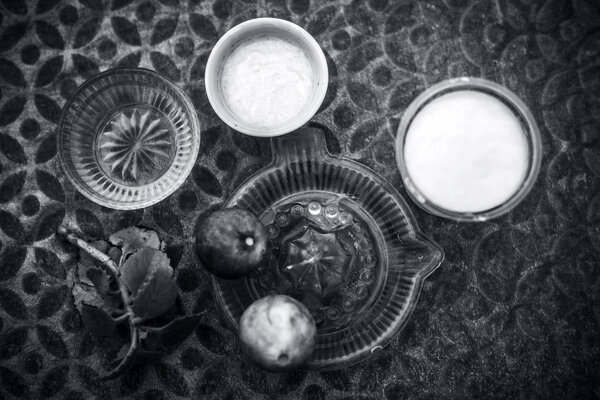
466	151
267	81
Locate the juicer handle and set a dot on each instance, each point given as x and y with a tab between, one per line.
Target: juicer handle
302	144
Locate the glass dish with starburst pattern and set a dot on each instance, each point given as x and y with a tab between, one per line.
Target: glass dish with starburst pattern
341	240
128	138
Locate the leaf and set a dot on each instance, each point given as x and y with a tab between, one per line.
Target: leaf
52	342
550	14
118	4
44	6
54	381
174	252
11	186
50	218
362	56
49	263
99	323
592	158
84	66
133	379
299	6
404	93
11	225
362	95
49	35
12	35
157	295
363	135
11	261
47	107
149	277
401	55
206	181
11	74
361	21
12	304
321	20
164	29
203	27
165	65
15	6
126	31
86	294
87	32
211	339
130	61
171	335
211	380
47	149
210	137
12	342
9	112
255	378
134	238
289	381
88	223
97	5
51	301
198	69
49	185
49	71
167	220
136	268
172	379
13	383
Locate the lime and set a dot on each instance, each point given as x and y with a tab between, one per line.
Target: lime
277	332
231	242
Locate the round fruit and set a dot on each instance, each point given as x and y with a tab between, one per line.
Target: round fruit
278	333
231	242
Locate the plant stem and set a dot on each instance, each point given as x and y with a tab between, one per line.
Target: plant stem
131	354
107	263
112	269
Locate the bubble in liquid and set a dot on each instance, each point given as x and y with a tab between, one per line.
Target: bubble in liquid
331	211
314	208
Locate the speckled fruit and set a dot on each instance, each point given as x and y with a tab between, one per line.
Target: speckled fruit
231	243
278	333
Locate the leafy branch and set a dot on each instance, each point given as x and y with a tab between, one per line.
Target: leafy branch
129	280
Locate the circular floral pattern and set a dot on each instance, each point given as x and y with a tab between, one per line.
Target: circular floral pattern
511	313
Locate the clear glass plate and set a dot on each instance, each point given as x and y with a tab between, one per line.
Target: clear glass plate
128	138
342	241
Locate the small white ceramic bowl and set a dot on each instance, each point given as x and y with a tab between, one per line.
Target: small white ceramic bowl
253	29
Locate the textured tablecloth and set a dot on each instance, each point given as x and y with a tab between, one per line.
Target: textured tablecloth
514	310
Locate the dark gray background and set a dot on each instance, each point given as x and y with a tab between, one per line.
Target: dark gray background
514	310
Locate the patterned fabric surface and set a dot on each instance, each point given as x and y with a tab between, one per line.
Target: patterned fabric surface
514	310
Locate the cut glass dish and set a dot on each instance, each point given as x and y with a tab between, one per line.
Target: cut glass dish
341	240
128	138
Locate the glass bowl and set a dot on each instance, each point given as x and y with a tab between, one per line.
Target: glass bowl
341	240
128	138
523	117
264	28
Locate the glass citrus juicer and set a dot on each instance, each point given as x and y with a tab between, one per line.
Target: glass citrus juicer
341	240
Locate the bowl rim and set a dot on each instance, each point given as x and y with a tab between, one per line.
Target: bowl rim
228	40
92	195
532	134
